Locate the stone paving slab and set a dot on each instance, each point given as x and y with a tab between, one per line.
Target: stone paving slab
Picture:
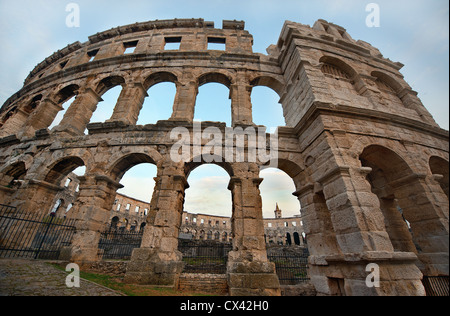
20	277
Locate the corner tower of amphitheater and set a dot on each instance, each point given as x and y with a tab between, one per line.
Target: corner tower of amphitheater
369	163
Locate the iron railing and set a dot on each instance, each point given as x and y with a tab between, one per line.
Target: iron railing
204	257
291	267
29	235
118	245
436	286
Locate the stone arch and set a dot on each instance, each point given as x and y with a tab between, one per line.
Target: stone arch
43	188
216	77
297	241
18	118
265	98
149	112
125	162
288	239
386	166
198	161
11	179
413	221
342	68
220	84
389	89
66	93
290	167
388	80
61	168
108	83
341	76
270	82
8	115
14	171
33	104
60	98
159	77
440	169
361	143
114	222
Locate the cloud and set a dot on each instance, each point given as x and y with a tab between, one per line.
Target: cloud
209	195
138	188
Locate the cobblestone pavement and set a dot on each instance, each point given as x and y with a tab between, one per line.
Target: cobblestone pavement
37	278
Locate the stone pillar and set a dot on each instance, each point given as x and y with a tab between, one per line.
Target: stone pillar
158	261
129	104
41	118
185	99
249	271
79	113
241	104
91	211
321	238
362	240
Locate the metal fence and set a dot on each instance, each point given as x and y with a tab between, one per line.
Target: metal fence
118	245
436	286
204	257
292	267
28	235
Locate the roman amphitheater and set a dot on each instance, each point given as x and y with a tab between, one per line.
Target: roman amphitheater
369	163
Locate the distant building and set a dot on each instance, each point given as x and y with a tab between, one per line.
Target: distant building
129	214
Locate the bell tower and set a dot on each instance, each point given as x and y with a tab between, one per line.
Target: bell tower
278	213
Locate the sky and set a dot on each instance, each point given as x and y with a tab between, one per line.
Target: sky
415	33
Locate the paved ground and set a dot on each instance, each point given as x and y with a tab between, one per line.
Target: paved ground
37	278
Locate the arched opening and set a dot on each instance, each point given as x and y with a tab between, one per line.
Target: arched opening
267	110
136	173
60	170
65	98
64	198
208	193
296	239
387	168
288	239
127	162
158	106
277	188
106	107
439	168
389	89
340	77
139	182
8	115
213	100
13	175
30	107
115	222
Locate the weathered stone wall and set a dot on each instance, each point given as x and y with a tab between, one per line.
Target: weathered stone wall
366	157
205	283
